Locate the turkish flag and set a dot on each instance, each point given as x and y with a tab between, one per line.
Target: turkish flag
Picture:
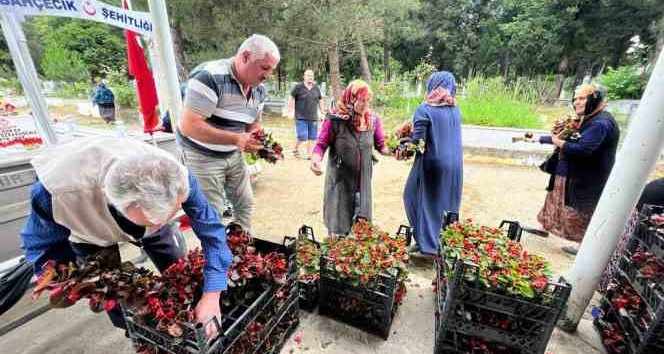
138	68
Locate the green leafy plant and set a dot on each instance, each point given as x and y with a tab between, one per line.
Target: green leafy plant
308	259
624	83
61	64
123	89
502	265
366	254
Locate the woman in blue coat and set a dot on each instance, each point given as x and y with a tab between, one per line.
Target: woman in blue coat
436	178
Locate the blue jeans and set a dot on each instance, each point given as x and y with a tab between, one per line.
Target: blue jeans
306	129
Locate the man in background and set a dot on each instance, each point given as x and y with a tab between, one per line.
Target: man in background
306	100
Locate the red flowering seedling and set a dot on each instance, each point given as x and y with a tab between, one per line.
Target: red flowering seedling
366	254
164	302
308	260
401	141
502	264
271	151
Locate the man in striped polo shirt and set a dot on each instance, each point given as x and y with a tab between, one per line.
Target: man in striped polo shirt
223	105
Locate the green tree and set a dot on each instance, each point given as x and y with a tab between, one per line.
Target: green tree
101	47
61	64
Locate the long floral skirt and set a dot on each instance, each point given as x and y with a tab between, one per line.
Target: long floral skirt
562	220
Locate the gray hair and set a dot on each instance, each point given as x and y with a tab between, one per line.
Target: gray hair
259	45
151	180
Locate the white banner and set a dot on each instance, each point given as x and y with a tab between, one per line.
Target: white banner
18	133
139	22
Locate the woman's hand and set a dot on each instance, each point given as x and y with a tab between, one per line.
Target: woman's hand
557	141
385	151
315	167
399	154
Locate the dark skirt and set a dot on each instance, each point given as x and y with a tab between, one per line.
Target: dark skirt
107	113
562	220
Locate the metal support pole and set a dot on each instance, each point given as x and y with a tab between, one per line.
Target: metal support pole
27	75
156	74
635	161
166	59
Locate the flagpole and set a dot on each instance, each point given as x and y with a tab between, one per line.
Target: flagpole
166	59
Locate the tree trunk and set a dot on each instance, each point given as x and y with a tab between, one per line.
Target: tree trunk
619	52
364	63
579	74
562	70
333	57
178	47
504	63
386	61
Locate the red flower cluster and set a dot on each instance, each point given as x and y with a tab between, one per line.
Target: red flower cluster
308	259
648	265
27	142
271	151
401	141
504	266
366	254
657	220
247	264
164	302
626	303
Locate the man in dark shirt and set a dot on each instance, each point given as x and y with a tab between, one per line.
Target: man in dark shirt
306	99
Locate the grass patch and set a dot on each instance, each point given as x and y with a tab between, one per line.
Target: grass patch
499	112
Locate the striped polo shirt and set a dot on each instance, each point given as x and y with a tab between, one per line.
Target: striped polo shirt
214	92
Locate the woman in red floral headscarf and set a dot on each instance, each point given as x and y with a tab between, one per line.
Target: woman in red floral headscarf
351	131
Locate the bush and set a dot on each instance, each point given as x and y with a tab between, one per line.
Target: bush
61	64
12	85
73	90
624	83
125	94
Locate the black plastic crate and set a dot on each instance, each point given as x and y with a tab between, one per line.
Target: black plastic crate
607	321
648	210
233	322
369	309
283	330
407	231
652	238
460	343
531	324
636	340
650	291
270	318
308	289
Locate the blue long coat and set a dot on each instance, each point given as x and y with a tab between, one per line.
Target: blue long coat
436	178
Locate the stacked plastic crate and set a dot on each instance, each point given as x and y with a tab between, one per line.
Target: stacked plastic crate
261	323
473	319
631	319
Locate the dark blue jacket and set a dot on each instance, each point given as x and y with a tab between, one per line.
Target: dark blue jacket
590	160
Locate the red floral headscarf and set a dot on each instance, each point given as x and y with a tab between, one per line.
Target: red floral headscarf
355	91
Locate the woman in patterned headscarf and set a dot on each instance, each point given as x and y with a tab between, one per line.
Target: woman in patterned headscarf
351	131
436	178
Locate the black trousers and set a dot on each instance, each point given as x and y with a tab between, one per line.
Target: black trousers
160	247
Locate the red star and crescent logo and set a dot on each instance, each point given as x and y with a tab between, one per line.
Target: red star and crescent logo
89	9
